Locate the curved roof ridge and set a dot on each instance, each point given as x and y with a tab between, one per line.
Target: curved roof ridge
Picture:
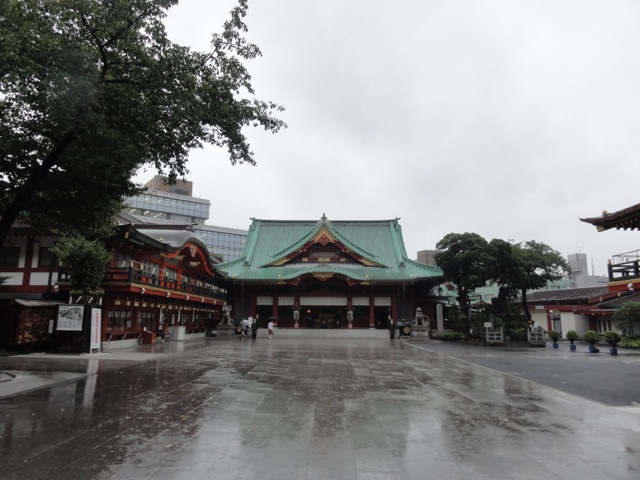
325	223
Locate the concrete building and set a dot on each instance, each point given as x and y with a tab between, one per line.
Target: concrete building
162	203
580	272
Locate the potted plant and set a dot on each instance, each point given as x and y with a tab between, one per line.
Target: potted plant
612	338
572	336
591	337
554	335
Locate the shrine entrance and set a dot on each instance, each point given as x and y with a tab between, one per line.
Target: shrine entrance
324	317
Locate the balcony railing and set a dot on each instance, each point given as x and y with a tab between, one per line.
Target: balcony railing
624	266
129	275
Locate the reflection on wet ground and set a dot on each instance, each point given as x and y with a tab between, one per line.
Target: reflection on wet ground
305	405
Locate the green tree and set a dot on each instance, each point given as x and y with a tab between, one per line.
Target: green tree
86	260
91	90
463	259
535	265
626	316
504	267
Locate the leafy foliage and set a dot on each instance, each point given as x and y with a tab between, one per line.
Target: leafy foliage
86	260
626	316
554	335
452	336
462	258
591	337
470	262
572	336
628	342
612	338
92	90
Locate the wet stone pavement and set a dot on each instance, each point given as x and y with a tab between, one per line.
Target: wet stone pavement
304	405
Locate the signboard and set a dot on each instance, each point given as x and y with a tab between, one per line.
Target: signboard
70	317
96	323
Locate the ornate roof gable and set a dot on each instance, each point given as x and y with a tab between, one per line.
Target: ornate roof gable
324	245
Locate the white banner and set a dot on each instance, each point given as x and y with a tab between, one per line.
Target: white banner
96	323
70	317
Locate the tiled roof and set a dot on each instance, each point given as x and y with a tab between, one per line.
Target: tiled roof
627	218
379	244
570	295
619	301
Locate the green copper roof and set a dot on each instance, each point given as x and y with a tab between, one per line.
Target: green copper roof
377	245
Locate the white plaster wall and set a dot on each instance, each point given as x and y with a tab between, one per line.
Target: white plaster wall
540	318
13	278
40	278
582	324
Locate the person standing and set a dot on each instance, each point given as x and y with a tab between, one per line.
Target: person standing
270	328
392	329
254	327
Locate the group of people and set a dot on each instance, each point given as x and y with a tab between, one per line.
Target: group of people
246	324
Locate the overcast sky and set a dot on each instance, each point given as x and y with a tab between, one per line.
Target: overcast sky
510	119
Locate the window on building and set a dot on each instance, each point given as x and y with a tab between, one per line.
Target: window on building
119	321
45	257
10	256
148	321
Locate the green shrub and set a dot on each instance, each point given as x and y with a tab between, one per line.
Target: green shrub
591	337
612	338
554	335
572	336
452	336
518	335
630	343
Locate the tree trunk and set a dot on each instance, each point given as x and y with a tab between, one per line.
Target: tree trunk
465	308
30	187
525	305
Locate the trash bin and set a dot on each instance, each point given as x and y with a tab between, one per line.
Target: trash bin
148	338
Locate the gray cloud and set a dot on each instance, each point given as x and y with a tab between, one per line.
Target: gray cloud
509	119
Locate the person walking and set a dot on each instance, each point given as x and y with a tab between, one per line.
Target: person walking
244	324
270	328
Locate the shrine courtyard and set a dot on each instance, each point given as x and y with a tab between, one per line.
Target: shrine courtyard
313	404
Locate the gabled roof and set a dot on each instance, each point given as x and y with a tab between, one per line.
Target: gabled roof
375	249
172	241
626	219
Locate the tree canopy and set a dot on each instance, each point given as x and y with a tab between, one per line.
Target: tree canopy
470	262
91	90
463	259
86	260
626	316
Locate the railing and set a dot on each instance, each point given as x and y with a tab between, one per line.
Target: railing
624	266
494	337
536	338
186	285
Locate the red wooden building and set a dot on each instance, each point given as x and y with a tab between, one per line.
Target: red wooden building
159	277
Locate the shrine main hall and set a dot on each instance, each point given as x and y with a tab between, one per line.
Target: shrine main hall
329	274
